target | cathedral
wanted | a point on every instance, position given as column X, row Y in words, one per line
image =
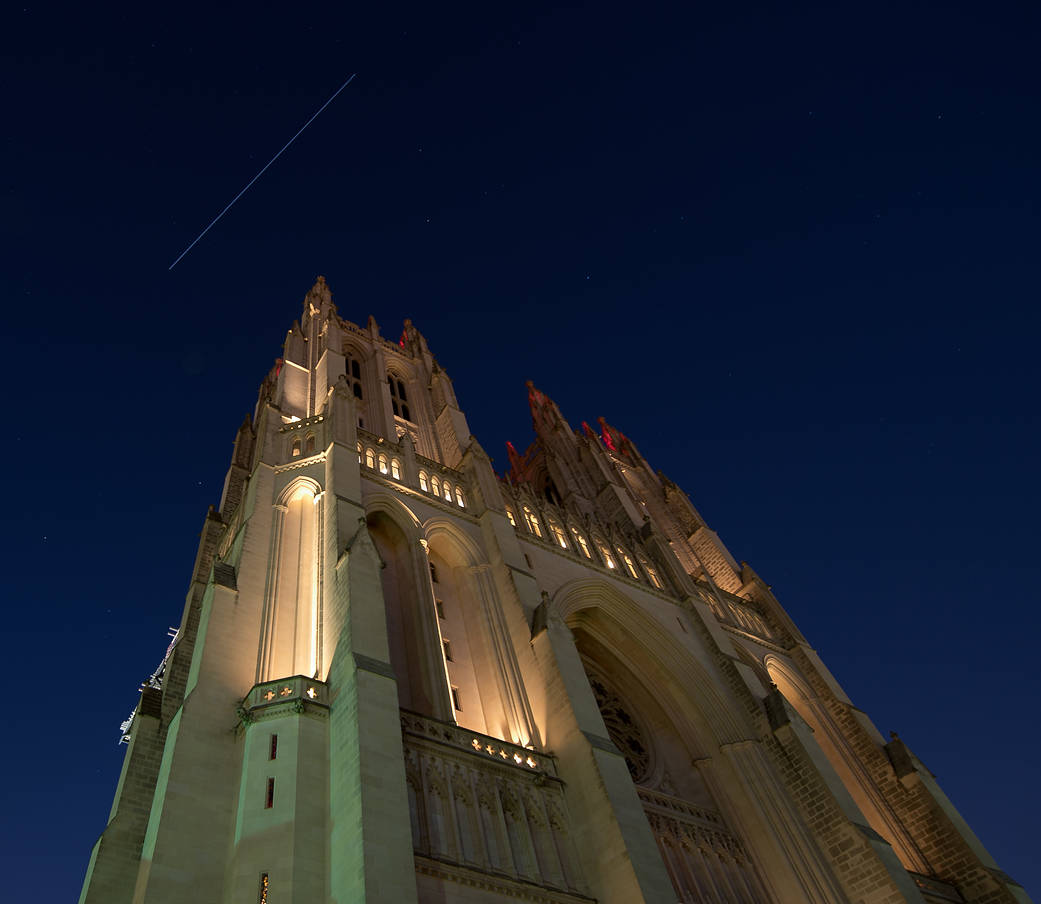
column 402, row 677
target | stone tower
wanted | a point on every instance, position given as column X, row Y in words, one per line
column 402, row 678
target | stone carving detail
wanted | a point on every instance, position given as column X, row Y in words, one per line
column 705, row 861
column 488, row 813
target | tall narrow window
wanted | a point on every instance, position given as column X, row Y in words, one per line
column 398, row 397
column 383, row 464
column 630, row 565
column 448, row 650
column 433, row 572
column 440, row 606
column 651, row 573
column 558, row 534
column 296, row 447
column 532, row 521
column 309, row 444
column 605, row 553
column 269, row 797
column 395, row 469
column 509, row 514
column 424, row 483
column 435, row 486
column 370, row 458
column 359, row 452
column 264, row 882
column 581, row 541
column 352, row 370
column 448, row 491
column 455, row 700
column 274, row 747
column 459, row 498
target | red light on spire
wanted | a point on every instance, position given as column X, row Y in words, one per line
column 606, row 437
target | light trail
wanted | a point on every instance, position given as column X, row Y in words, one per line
column 261, row 173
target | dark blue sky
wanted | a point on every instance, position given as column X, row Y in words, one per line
column 792, row 254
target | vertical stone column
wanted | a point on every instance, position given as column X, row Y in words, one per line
column 370, row 854
column 515, row 704
column 622, row 859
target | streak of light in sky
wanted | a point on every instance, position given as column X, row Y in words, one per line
column 261, row 173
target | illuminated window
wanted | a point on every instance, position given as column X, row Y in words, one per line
column 395, row 469
column 269, row 797
column 383, row 464
column 296, row 447
column 435, row 486
column 309, row 444
column 359, row 452
column 651, row 573
column 455, row 700
column 581, row 541
column 532, row 521
column 448, row 650
column 558, row 533
column 605, row 553
column 352, row 370
column 448, row 491
column 509, row 514
column 424, row 484
column 370, row 458
column 274, row 747
column 398, row 397
column 630, row 565
column 262, row 899
column 459, row 498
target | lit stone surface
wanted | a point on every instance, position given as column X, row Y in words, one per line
column 400, row 677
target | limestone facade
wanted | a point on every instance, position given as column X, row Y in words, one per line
column 402, row 677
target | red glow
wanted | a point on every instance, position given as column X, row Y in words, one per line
column 607, row 441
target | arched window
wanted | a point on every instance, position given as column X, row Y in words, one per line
column 296, row 447
column 605, row 553
column 459, row 498
column 424, row 484
column 352, row 370
column 370, row 458
column 581, row 541
column 651, row 573
column 435, row 486
column 309, row 444
column 383, row 464
column 448, row 491
column 630, row 565
column 532, row 521
column 359, row 451
column 558, row 533
column 395, row 469
column 398, row 397
column 510, row 515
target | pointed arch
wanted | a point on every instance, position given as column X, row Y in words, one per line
column 291, row 628
column 483, row 668
column 682, row 678
column 412, row 631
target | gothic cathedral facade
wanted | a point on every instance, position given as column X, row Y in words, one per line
column 403, row 678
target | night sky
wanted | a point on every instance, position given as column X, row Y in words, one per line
column 793, row 254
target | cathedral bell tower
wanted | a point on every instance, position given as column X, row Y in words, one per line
column 402, row 678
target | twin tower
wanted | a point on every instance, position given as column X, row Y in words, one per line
column 402, row 678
